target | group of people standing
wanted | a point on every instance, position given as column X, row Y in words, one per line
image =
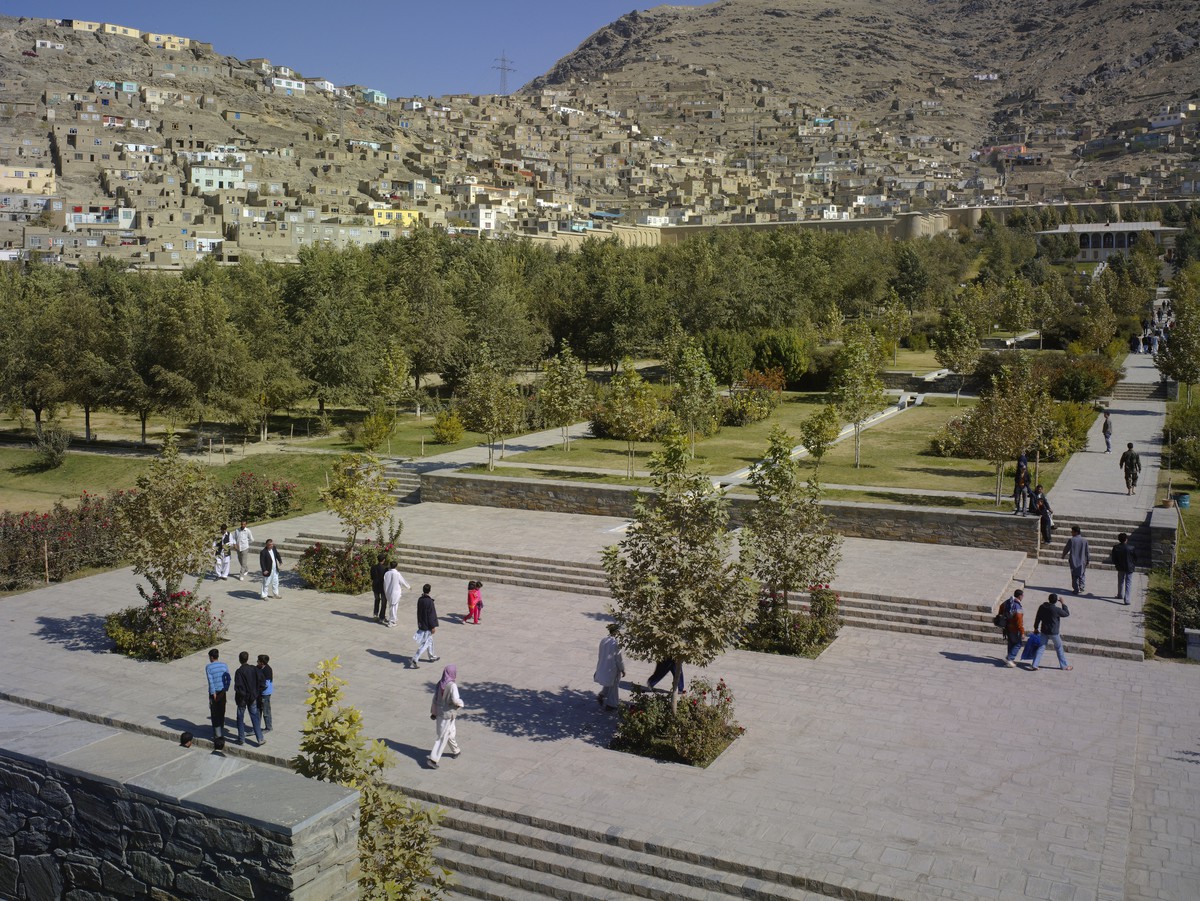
column 238, row 541
column 253, row 687
column 1046, row 630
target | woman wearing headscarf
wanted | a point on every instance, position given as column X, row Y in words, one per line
column 444, row 711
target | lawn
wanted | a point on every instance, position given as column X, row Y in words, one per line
column 412, row 438
column 919, row 361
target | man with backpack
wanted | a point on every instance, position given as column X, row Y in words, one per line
column 1131, row 463
column 1011, row 620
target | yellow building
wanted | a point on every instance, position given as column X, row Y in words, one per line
column 398, row 218
column 165, row 41
column 80, row 25
column 26, row 180
column 123, row 30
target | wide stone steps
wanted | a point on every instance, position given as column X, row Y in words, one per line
column 408, row 485
column 958, row 621
column 502, row 569
column 500, row 859
column 1102, row 536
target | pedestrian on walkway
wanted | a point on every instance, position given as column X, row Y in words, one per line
column 393, row 585
column 1076, row 553
column 242, row 538
column 1131, row 464
column 221, row 548
column 268, row 674
column 378, row 570
column 217, row 674
column 1046, row 624
column 1124, row 558
column 1014, row 625
column 1040, row 505
column 269, row 561
column 248, row 684
column 662, row 668
column 444, row 711
column 1106, row 431
column 610, row 667
column 1021, row 490
column 474, row 601
column 427, row 623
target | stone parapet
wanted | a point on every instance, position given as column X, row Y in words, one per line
column 1164, row 528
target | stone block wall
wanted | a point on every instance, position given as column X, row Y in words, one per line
column 1164, row 526
column 926, row 525
column 192, row 825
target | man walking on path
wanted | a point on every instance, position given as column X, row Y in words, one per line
column 248, row 685
column 1106, row 431
column 378, row 570
column 1131, row 463
column 1014, row 625
column 1075, row 552
column 269, row 562
column 610, row 667
column 1046, row 624
column 217, row 674
column 427, row 623
column 393, row 582
column 242, row 538
column 1124, row 558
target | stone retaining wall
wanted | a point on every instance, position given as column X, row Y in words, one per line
column 193, row 825
column 1164, row 526
column 926, row 525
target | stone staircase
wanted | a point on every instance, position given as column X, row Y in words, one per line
column 503, row 856
column 502, row 569
column 1102, row 536
column 1141, row 391
column 408, row 484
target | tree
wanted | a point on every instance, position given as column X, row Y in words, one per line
column 818, row 431
column 396, row 837
column 631, row 410
column 911, row 281
column 490, row 403
column 1179, row 358
column 856, row 390
column 169, row 525
column 34, row 348
column 564, row 392
column 897, row 320
column 1099, row 323
column 677, row 593
column 358, row 494
column 695, row 395
column 957, row 346
column 786, row 349
column 729, row 353
column 787, row 543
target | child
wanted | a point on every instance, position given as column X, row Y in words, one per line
column 264, row 664
column 474, row 602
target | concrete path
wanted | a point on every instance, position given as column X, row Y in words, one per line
column 1092, row 484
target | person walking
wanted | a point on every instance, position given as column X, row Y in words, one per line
column 1124, row 558
column 610, row 667
column 269, row 562
column 393, row 585
column 378, row 570
column 1021, row 490
column 221, row 549
column 242, row 538
column 662, row 668
column 1106, row 431
column 248, row 684
column 1046, row 624
column 474, row 602
column 1077, row 555
column 268, row 674
column 1131, row 464
column 427, row 623
column 444, row 711
column 1040, row 505
column 1014, row 625
column 217, row 674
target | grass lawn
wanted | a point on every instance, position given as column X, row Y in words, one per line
column 406, row 440
column 920, row 362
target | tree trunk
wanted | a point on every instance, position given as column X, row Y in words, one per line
column 857, row 433
column 87, row 422
column 143, row 416
column 37, row 420
column 320, row 406
column 999, row 481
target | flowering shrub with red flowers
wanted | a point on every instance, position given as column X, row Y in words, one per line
column 339, row 569
column 806, row 632
column 166, row 627
column 253, row 497
column 61, row 541
column 700, row 729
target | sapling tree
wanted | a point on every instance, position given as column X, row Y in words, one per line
column 564, row 392
column 359, row 494
column 857, row 390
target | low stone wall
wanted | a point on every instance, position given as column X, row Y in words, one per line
column 927, row 525
column 1164, row 526
column 89, row 813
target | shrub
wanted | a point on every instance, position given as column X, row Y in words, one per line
column 1071, row 422
column 1185, row 595
column 1184, row 422
column 50, row 447
column 754, row 398
column 1185, row 455
column 61, row 541
column 1082, row 379
column 448, row 428
column 700, row 729
column 917, row 341
column 801, row 633
column 253, row 497
column 375, row 428
column 166, row 627
column 337, row 568
column 952, row 439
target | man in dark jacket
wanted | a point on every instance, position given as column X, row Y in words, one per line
column 269, row 562
column 1124, row 558
column 427, row 623
column 1046, row 624
column 1014, row 625
column 377, row 573
column 248, row 685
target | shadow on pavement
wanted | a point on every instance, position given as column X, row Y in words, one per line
column 971, row 658
column 536, row 715
column 412, row 752
column 76, row 633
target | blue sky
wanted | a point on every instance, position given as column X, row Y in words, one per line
column 401, row 47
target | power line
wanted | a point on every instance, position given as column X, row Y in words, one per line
column 504, row 65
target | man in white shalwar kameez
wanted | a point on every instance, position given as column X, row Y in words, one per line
column 610, row 667
column 444, row 710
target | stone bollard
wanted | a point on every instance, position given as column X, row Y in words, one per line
column 1193, row 641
